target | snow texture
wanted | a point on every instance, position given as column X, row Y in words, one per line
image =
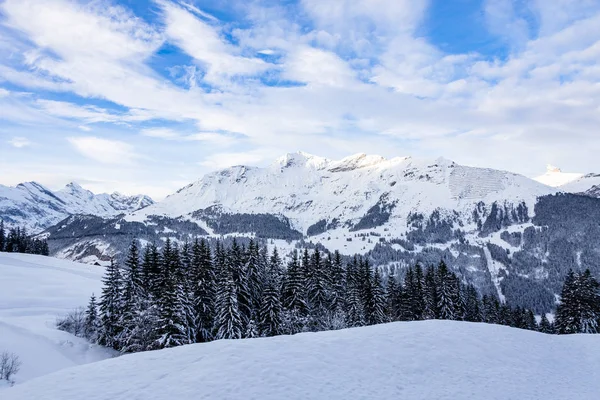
column 412, row 360
column 34, row 291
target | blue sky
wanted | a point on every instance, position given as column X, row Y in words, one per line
column 146, row 96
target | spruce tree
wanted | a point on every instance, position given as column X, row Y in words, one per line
column 446, row 295
column 91, row 320
column 430, row 295
column 172, row 329
column 545, row 326
column 270, row 310
column 111, row 303
column 2, row 235
column 228, row 318
column 472, row 305
column 567, row 313
column 204, row 283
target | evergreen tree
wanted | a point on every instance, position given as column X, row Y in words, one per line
column 172, row 330
column 204, row 290
column 91, row 320
column 430, row 295
column 545, row 325
column 228, row 318
column 589, row 299
column 472, row 305
column 270, row 310
column 111, row 303
column 376, row 302
column 392, row 298
column 2, row 235
column 446, row 293
column 567, row 313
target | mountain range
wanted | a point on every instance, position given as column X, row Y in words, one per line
column 511, row 236
column 35, row 207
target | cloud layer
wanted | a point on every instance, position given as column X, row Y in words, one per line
column 171, row 89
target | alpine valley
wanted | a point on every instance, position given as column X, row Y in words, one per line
column 509, row 235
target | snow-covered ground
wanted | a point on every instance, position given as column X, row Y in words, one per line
column 414, row 360
column 34, row 290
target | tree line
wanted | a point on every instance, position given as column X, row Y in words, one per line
column 195, row 293
column 17, row 241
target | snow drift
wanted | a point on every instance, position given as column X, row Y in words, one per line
column 34, row 291
column 415, row 360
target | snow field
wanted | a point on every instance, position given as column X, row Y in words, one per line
column 414, row 360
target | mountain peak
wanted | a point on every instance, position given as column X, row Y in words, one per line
column 302, row 159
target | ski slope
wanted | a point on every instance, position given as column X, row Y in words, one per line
column 415, row 360
column 34, row 290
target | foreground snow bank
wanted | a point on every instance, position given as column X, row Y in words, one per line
column 415, row 360
column 34, row 290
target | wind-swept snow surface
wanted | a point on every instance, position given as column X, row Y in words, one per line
column 414, row 360
column 34, row 290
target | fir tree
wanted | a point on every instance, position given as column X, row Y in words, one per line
column 91, row 320
column 567, row 312
column 111, row 303
column 430, row 295
column 228, row 319
column 446, row 295
column 204, row 290
column 2, row 235
column 545, row 325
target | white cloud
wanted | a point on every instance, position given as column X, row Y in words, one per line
column 169, row 134
column 104, row 150
column 20, row 142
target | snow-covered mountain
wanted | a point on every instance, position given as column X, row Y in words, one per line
column 36, row 207
column 360, row 190
column 503, row 232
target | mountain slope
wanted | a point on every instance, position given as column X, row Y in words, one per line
column 414, row 360
column 307, row 189
column 588, row 184
column 35, row 207
column 34, row 291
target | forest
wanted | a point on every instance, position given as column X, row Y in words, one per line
column 197, row 293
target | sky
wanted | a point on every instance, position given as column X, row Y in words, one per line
column 147, row 96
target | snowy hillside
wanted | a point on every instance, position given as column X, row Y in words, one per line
column 307, row 189
column 34, row 290
column 415, row 360
column 35, row 207
column 588, row 184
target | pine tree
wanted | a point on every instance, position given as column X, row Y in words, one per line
column 392, row 298
column 172, row 330
column 270, row 310
column 204, row 290
column 377, row 301
column 91, row 320
column 355, row 313
column 2, row 235
column 545, row 326
column 228, row 318
column 567, row 312
column 589, row 300
column 111, row 303
column 430, row 294
column 472, row 305
column 446, row 295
